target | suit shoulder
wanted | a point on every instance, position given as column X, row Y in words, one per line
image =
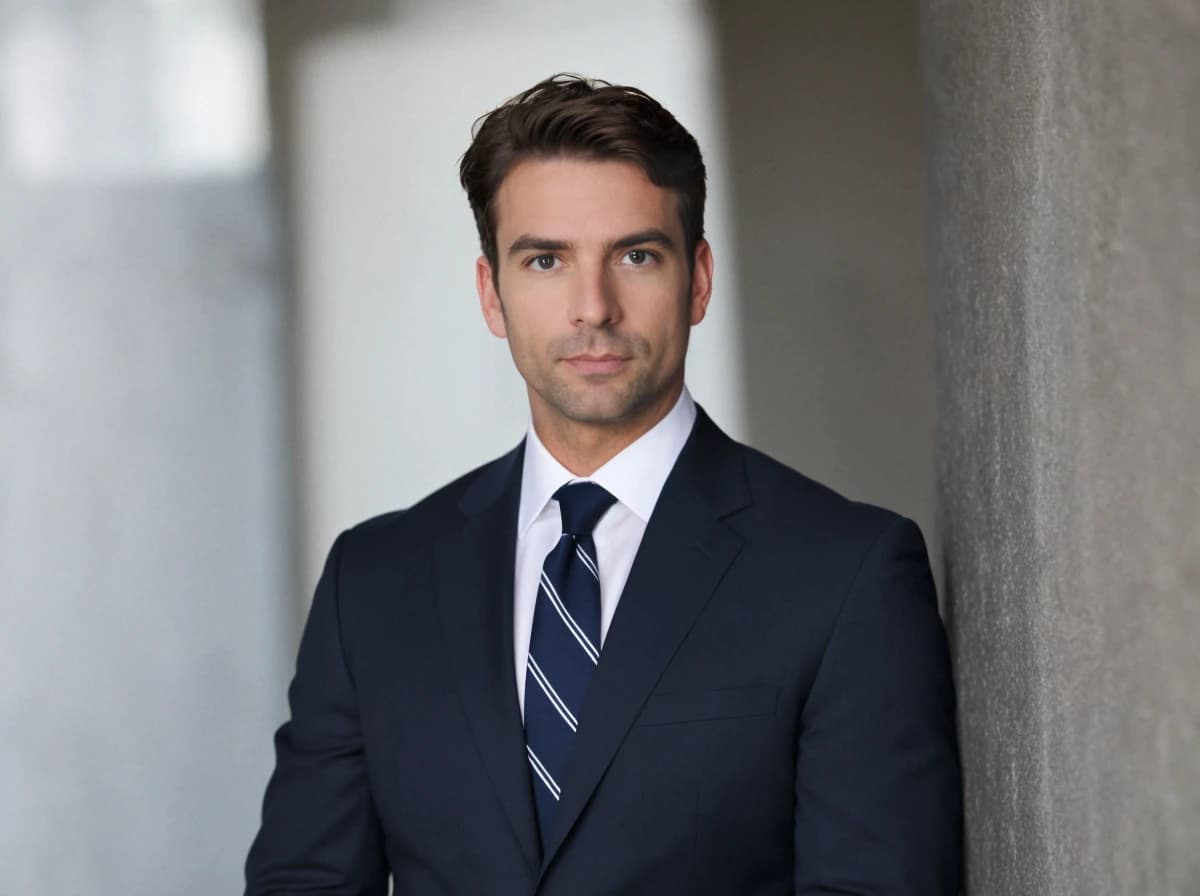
column 792, row 499
column 433, row 514
column 794, row 520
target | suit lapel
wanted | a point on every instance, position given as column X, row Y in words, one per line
column 684, row 553
column 473, row 569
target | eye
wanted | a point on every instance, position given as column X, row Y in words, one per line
column 639, row 257
column 543, row 262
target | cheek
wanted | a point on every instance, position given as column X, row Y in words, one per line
column 664, row 323
column 529, row 334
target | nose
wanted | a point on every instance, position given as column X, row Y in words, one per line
column 594, row 301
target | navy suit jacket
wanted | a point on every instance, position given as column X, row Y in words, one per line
column 773, row 712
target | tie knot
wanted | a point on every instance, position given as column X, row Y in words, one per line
column 581, row 505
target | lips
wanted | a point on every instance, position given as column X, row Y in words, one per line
column 596, row 364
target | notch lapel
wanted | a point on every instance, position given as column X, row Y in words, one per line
column 684, row 554
column 473, row 570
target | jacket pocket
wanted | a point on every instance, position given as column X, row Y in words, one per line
column 698, row 706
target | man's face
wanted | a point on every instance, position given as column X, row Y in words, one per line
column 594, row 291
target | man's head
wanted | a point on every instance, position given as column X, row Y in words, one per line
column 583, row 118
column 589, row 201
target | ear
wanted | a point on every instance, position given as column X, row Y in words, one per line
column 702, row 274
column 489, row 298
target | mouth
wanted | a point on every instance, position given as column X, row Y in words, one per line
column 596, row 364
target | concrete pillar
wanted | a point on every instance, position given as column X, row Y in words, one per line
column 1064, row 140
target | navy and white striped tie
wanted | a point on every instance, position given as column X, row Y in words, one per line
column 564, row 646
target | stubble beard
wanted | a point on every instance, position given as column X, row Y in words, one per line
column 605, row 403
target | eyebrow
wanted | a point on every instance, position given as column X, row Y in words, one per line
column 653, row 235
column 528, row 242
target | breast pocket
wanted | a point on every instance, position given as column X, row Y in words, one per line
column 699, row 706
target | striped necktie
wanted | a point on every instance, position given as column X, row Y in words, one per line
column 564, row 645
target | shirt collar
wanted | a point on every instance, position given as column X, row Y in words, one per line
column 635, row 476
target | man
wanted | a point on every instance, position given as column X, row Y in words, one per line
column 632, row 655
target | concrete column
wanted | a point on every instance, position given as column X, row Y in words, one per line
column 1064, row 140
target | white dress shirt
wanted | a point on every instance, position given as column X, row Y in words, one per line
column 635, row 477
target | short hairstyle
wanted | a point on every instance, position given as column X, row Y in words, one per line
column 569, row 115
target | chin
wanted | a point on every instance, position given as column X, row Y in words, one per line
column 596, row 414
column 600, row 403
column 599, row 410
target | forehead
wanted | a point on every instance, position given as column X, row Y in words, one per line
column 580, row 199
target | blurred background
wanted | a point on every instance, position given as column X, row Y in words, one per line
column 955, row 276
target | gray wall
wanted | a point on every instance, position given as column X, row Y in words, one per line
column 822, row 118
column 144, row 599
column 1064, row 140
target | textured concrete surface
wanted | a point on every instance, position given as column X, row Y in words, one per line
column 1065, row 202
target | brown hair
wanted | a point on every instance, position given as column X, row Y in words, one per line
column 575, row 116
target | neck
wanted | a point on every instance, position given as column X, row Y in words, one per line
column 583, row 448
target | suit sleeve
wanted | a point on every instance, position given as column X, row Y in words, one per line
column 878, row 789
column 319, row 833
